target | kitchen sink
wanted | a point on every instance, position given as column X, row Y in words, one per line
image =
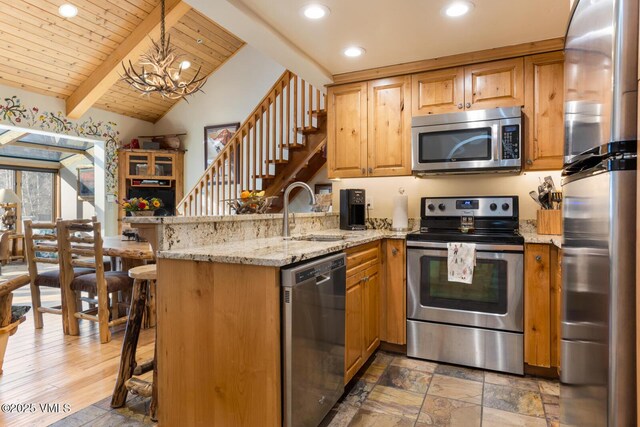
column 320, row 237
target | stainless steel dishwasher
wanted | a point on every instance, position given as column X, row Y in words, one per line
column 313, row 312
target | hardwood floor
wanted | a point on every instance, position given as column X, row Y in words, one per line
column 46, row 367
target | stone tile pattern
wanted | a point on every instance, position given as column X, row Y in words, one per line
column 395, row 391
column 133, row 414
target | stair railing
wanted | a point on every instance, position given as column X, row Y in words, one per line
column 248, row 161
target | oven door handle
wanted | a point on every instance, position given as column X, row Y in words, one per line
column 479, row 246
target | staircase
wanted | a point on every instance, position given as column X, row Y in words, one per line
column 283, row 140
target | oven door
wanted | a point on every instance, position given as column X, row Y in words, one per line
column 457, row 146
column 494, row 299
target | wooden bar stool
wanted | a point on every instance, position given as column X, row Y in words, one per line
column 144, row 277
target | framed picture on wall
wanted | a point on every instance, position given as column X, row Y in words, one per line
column 323, row 189
column 86, row 183
column 216, row 138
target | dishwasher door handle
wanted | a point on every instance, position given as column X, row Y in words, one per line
column 322, row 279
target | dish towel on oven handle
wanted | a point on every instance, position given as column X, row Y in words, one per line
column 461, row 260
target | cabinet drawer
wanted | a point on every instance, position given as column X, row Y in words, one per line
column 362, row 258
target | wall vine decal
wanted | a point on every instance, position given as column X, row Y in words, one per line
column 12, row 111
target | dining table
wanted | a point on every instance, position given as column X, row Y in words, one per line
column 130, row 252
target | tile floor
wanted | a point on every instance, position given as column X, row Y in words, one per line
column 395, row 391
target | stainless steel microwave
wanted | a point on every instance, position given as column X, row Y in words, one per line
column 468, row 142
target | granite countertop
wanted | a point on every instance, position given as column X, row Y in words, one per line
column 534, row 237
column 276, row 252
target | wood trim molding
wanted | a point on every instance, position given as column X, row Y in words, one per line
column 505, row 52
column 12, row 136
column 108, row 73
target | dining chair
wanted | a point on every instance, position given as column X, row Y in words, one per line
column 81, row 246
column 41, row 246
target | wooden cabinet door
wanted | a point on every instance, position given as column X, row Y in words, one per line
column 353, row 339
column 440, row 91
column 389, row 127
column 494, row 84
column 347, row 131
column 371, row 310
column 544, row 102
column 164, row 165
column 138, row 164
column 537, row 302
column 393, row 297
column 556, row 304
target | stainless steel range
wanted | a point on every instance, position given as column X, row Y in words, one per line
column 478, row 324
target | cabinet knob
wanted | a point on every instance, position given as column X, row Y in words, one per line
column 529, row 161
column 364, row 171
column 370, row 170
column 468, row 105
column 394, row 251
column 460, row 106
column 538, row 258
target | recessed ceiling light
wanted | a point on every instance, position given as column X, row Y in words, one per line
column 458, row 8
column 184, row 65
column 315, row 11
column 68, row 10
column 353, row 51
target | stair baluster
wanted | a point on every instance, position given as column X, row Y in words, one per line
column 259, row 156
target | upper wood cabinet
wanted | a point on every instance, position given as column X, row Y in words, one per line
column 369, row 128
column 347, row 130
column 389, row 124
column 440, row 91
column 544, row 102
column 487, row 85
column 494, row 84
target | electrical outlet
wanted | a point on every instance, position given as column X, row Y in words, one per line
column 370, row 203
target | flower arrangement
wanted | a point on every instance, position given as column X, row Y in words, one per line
column 140, row 204
column 251, row 202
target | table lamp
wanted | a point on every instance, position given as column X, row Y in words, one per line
column 8, row 200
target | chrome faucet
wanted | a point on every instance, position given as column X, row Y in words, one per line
column 285, row 219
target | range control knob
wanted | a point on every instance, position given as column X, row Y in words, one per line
column 505, row 206
column 441, row 206
column 431, row 207
column 493, row 206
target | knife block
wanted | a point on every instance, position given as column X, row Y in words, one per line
column 549, row 221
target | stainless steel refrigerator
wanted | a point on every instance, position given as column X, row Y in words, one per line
column 598, row 371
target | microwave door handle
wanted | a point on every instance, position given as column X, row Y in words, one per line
column 495, row 129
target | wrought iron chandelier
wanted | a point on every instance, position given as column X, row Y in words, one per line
column 162, row 76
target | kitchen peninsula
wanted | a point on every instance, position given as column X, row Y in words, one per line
column 218, row 305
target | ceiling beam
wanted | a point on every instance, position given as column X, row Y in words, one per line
column 48, row 147
column 108, row 73
column 11, row 136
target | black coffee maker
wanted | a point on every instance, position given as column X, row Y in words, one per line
column 353, row 207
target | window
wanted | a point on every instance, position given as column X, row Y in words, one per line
column 37, row 195
column 36, row 189
column 8, row 179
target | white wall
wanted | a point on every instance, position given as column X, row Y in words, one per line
column 230, row 95
column 382, row 190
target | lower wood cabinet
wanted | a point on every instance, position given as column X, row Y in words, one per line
column 393, row 292
column 542, row 310
column 362, row 306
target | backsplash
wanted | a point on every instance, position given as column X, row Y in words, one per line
column 184, row 232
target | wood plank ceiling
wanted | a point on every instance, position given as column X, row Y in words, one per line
column 42, row 52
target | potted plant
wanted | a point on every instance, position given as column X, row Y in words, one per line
column 139, row 206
